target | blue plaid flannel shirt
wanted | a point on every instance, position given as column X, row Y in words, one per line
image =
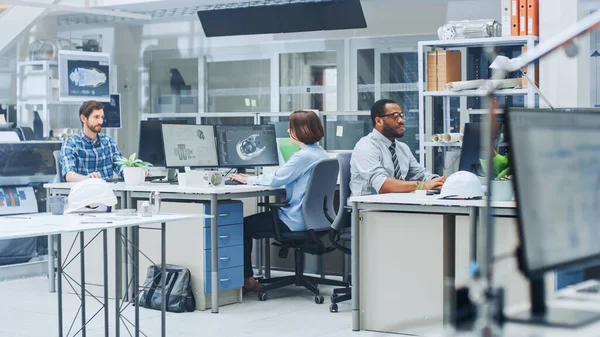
column 84, row 156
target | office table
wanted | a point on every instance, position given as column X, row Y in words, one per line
column 212, row 195
column 412, row 203
column 46, row 224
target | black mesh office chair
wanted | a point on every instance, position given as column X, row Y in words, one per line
column 340, row 234
column 59, row 178
column 318, row 213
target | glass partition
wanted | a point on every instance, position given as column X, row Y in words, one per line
column 228, row 118
column 280, row 120
column 174, row 85
column 308, row 81
column 239, row 86
column 343, row 131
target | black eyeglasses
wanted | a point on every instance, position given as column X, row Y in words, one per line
column 394, row 115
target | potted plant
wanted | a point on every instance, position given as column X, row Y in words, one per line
column 501, row 184
column 134, row 170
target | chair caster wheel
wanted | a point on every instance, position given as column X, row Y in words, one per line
column 319, row 299
column 333, row 307
column 262, row 296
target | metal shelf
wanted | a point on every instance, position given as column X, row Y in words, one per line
column 490, row 41
column 474, row 93
column 433, row 144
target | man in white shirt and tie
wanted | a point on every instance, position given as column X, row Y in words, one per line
column 382, row 164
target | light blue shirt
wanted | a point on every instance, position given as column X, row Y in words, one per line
column 372, row 164
column 294, row 175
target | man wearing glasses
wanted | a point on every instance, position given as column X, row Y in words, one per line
column 382, row 164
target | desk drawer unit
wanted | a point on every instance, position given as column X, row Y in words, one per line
column 229, row 213
column 231, row 246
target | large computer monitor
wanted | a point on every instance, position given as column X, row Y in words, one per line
column 471, row 150
column 242, row 146
column 555, row 158
column 151, row 146
column 189, row 146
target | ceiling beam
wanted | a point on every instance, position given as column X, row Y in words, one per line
column 85, row 10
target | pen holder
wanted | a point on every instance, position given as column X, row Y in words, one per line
column 57, row 204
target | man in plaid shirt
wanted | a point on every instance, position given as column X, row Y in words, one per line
column 90, row 154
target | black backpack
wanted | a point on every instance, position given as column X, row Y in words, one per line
column 178, row 289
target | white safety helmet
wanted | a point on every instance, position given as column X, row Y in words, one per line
column 92, row 194
column 462, row 185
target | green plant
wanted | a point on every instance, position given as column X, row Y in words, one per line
column 500, row 164
column 132, row 162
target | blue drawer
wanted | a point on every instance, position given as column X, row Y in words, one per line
column 231, row 235
column 230, row 278
column 228, row 257
column 228, row 212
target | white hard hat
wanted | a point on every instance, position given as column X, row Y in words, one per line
column 462, row 185
column 91, row 195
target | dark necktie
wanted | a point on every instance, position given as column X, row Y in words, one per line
column 395, row 161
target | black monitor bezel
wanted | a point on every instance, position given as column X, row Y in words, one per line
column 160, row 122
column 523, row 262
column 191, row 167
column 242, row 125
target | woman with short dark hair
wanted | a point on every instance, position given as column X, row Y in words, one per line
column 306, row 130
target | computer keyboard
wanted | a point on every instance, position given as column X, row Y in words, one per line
column 232, row 182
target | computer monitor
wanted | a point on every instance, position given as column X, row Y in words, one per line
column 555, row 158
column 471, row 150
column 189, row 146
column 242, row 146
column 151, row 147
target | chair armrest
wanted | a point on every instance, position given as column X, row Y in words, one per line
column 348, row 208
column 270, row 205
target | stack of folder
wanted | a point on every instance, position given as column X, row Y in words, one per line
column 520, row 17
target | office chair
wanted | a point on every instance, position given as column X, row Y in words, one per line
column 59, row 177
column 318, row 213
column 339, row 233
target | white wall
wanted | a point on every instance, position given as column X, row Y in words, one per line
column 565, row 81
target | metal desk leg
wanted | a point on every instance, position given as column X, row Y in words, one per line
column 136, row 274
column 127, row 202
column 82, row 257
column 51, row 274
column 105, row 248
column 59, row 285
column 473, row 214
column 259, row 244
column 214, row 255
column 118, row 280
column 355, row 268
column 163, row 279
column 449, row 251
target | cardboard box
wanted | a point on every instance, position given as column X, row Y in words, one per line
column 432, row 70
column 449, row 67
column 536, row 79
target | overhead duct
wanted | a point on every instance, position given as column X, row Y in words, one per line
column 283, row 16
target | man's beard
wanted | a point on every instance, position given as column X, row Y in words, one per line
column 391, row 132
column 95, row 128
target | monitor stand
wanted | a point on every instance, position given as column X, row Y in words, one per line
column 540, row 314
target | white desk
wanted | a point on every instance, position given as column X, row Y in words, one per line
column 411, row 203
column 171, row 192
column 48, row 224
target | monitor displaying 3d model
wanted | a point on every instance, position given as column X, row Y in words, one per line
column 189, row 146
column 247, row 145
column 83, row 76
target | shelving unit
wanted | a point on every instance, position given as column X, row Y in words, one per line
column 425, row 97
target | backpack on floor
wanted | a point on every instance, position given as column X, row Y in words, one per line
column 178, row 289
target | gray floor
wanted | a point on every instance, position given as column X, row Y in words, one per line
column 29, row 310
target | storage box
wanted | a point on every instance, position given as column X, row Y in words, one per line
column 443, row 66
column 536, row 78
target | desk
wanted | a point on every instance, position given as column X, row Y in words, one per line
column 411, row 203
column 188, row 194
column 47, row 224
